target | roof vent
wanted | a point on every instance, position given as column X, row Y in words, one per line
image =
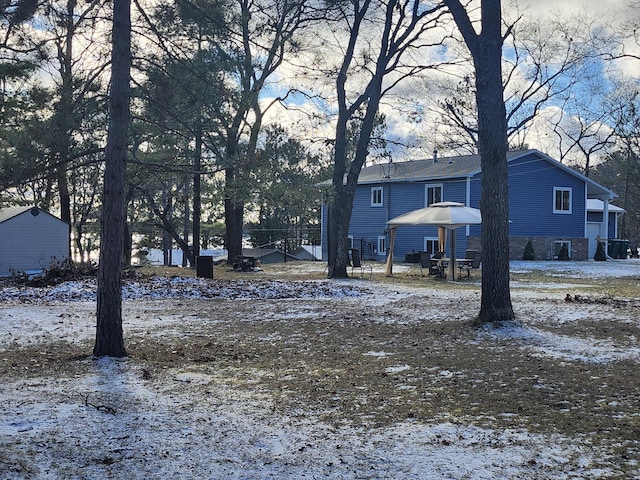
column 435, row 155
column 35, row 211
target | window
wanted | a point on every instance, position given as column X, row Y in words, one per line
column 350, row 237
column 433, row 194
column 561, row 200
column 382, row 245
column 377, row 197
column 560, row 253
column 431, row 245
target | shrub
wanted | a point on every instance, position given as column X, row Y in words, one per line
column 57, row 272
column 529, row 252
column 600, row 256
column 563, row 254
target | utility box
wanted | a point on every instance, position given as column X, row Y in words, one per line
column 204, row 266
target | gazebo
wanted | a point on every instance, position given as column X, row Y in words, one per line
column 446, row 216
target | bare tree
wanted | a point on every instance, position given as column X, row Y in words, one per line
column 545, row 62
column 401, row 28
column 585, row 128
column 486, row 50
column 109, row 338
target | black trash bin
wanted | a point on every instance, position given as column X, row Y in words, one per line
column 618, row 248
column 204, row 266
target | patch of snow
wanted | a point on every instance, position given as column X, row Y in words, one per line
column 629, row 267
column 182, row 287
column 562, row 347
column 397, row 368
column 378, row 354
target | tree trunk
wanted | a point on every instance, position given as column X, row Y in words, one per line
column 197, row 194
column 234, row 219
column 65, row 199
column 167, row 245
column 64, row 116
column 339, row 218
column 344, row 191
column 492, row 144
column 109, row 338
column 186, row 251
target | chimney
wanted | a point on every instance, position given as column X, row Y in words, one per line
column 435, row 155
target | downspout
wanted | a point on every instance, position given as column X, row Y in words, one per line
column 388, row 206
column 605, row 215
column 322, row 220
column 468, row 203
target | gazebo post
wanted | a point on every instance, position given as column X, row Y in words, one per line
column 451, row 275
column 392, row 241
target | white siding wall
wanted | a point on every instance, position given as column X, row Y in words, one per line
column 30, row 242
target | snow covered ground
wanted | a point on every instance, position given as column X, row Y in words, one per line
column 64, row 414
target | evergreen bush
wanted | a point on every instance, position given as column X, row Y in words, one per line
column 600, row 256
column 563, row 254
column 529, row 252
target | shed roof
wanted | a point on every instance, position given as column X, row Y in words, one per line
column 8, row 213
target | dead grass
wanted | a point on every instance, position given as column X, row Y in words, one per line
column 351, row 364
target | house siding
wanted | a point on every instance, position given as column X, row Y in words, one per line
column 367, row 222
column 30, row 242
column 370, row 222
column 531, row 200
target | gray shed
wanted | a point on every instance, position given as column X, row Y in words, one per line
column 31, row 239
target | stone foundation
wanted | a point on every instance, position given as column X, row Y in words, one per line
column 542, row 246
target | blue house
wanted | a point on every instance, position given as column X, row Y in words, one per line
column 550, row 205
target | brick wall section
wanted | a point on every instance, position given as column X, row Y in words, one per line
column 543, row 247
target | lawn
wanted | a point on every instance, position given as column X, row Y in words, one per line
column 284, row 374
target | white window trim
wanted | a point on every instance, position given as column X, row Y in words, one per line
column 427, row 240
column 563, row 189
column 427, row 186
column 350, row 237
column 374, row 190
column 382, row 245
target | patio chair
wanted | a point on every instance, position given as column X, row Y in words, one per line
column 356, row 262
column 474, row 265
column 429, row 264
column 470, row 254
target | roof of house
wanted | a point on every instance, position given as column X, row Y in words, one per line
column 595, row 205
column 464, row 166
